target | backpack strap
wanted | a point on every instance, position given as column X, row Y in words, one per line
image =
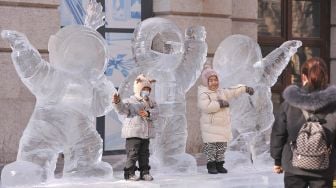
column 312, row 117
column 305, row 114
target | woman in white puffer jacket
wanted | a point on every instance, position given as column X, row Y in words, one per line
column 215, row 118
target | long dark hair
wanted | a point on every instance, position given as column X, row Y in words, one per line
column 317, row 73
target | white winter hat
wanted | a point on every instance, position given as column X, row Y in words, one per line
column 140, row 82
column 206, row 73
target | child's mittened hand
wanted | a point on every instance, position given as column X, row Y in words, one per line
column 249, row 90
column 116, row 98
column 223, row 103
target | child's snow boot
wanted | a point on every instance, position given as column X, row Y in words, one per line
column 145, row 175
column 220, row 168
column 129, row 174
column 211, row 166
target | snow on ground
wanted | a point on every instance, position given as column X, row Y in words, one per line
column 238, row 178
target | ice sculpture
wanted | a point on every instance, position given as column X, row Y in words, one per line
column 70, row 92
column 162, row 52
column 238, row 60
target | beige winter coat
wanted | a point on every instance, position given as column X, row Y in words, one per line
column 215, row 121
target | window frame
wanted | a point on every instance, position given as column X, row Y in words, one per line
column 322, row 42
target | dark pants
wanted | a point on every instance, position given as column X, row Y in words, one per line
column 296, row 181
column 137, row 149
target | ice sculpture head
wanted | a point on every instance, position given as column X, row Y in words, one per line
column 140, row 83
column 238, row 52
column 158, row 42
column 78, row 50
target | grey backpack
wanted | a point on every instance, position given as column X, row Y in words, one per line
column 311, row 150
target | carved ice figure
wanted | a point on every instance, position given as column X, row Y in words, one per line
column 71, row 91
column 238, row 60
column 175, row 62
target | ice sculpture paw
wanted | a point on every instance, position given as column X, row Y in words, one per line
column 292, row 44
column 16, row 39
column 94, row 16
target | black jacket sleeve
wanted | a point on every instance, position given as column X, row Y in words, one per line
column 279, row 134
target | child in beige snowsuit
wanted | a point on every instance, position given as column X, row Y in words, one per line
column 215, row 118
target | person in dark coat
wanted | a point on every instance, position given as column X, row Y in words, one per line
column 317, row 98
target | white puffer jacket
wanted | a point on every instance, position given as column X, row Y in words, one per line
column 215, row 121
column 135, row 125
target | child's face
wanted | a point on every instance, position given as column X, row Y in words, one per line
column 145, row 92
column 146, row 89
column 213, row 83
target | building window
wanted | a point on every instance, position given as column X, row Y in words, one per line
column 305, row 20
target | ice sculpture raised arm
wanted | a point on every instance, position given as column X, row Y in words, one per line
column 275, row 62
column 194, row 56
column 26, row 57
column 238, row 60
column 94, row 17
column 102, row 96
column 28, row 63
column 175, row 62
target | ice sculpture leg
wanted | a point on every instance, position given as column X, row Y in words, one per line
column 39, row 147
column 238, row 152
column 37, row 155
column 83, row 157
column 259, row 147
column 259, row 143
column 170, row 145
column 21, row 173
column 43, row 156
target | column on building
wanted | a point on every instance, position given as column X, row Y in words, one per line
column 221, row 18
column 38, row 19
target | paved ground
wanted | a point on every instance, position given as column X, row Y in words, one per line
column 118, row 161
column 238, row 179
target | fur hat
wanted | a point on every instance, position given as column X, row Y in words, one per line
column 206, row 73
column 140, row 82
